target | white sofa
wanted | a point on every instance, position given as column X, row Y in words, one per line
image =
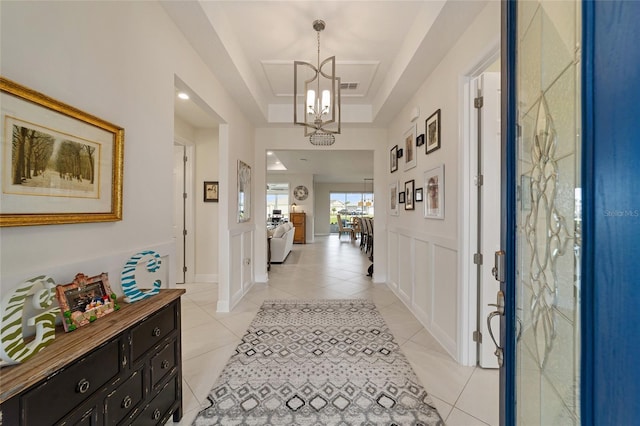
column 281, row 242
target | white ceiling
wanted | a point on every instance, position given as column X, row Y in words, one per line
column 326, row 166
column 388, row 47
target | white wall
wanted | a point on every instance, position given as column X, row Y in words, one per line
column 206, row 214
column 423, row 258
column 118, row 61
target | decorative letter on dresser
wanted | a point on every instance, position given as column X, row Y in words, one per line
column 124, row 369
column 299, row 221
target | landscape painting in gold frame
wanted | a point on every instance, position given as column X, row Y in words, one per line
column 59, row 164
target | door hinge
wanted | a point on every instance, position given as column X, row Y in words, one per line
column 477, row 336
column 184, row 195
column 477, row 258
column 518, row 130
column 478, row 102
column 184, row 232
column 184, row 158
column 184, row 269
column 479, row 180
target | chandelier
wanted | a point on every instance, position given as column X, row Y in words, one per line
column 321, row 89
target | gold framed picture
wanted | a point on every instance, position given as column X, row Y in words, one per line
column 59, row 164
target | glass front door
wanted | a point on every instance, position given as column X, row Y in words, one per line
column 547, row 213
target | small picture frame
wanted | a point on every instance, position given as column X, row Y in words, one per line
column 393, row 198
column 432, row 132
column 418, row 196
column 211, row 191
column 410, row 157
column 434, row 189
column 409, row 187
column 393, row 158
column 420, row 140
column 401, row 197
column 84, row 300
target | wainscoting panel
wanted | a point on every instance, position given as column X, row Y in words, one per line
column 423, row 284
column 423, row 273
column 235, row 269
column 405, row 268
column 247, row 260
column 241, row 268
column 445, row 293
column 392, row 266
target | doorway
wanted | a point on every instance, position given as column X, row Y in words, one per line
column 480, row 225
column 485, row 221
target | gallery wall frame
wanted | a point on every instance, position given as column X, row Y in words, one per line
column 211, row 191
column 434, row 189
column 393, row 159
column 418, row 196
column 60, row 165
column 393, row 198
column 432, row 132
column 409, row 187
column 410, row 157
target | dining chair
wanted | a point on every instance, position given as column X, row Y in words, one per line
column 344, row 229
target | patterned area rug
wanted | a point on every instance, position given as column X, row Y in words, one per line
column 318, row 362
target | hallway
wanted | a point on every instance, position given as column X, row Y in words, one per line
column 329, row 269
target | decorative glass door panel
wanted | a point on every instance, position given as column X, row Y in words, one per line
column 548, row 213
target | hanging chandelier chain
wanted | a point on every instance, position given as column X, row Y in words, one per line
column 318, row 51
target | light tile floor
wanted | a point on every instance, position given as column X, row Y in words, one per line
column 328, row 268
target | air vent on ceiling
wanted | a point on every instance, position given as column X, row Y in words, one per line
column 348, row 86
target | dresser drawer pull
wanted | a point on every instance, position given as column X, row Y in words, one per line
column 165, row 364
column 156, row 331
column 83, row 386
column 126, row 402
column 156, row 414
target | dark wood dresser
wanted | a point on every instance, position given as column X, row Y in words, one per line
column 125, row 368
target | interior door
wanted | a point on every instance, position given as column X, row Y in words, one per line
column 541, row 230
column 486, row 88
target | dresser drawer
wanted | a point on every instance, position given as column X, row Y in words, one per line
column 153, row 330
column 125, row 398
column 88, row 415
column 50, row 401
column 157, row 412
column 163, row 363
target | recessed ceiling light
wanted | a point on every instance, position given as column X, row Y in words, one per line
column 269, row 152
column 183, row 95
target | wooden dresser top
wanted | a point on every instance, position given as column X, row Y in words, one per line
column 68, row 347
